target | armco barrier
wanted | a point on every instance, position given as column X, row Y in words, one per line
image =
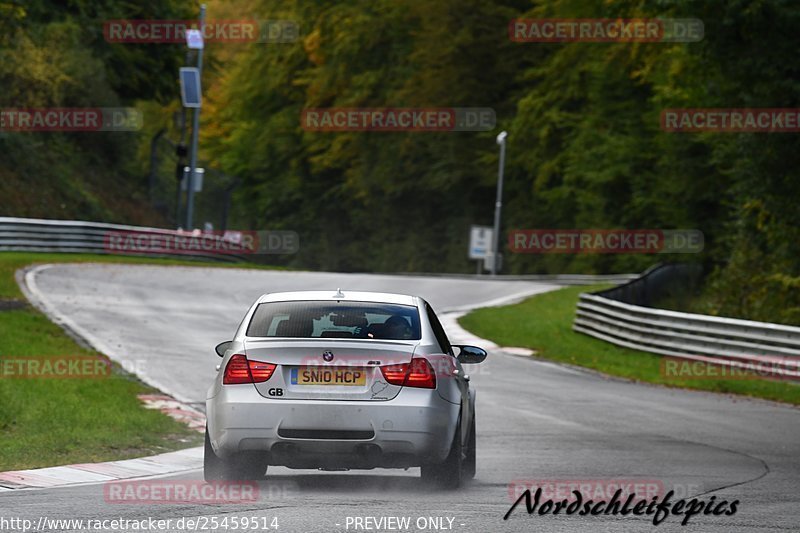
column 556, row 279
column 731, row 342
column 38, row 235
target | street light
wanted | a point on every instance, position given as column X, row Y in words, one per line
column 195, row 132
column 498, row 205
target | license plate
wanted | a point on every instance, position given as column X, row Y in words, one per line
column 311, row 375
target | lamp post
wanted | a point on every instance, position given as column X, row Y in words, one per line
column 498, row 205
column 195, row 135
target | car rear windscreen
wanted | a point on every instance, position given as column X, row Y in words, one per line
column 347, row 320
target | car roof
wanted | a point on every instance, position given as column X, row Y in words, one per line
column 340, row 295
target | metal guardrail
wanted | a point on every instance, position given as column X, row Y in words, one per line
column 743, row 344
column 40, row 235
column 73, row 236
column 557, row 279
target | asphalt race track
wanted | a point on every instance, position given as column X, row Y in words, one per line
column 536, row 420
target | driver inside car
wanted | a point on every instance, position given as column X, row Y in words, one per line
column 396, row 327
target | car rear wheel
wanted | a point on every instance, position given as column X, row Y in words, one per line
column 447, row 475
column 245, row 466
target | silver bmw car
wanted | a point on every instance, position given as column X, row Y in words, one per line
column 341, row 380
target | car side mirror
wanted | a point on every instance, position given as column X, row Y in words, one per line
column 222, row 347
column 470, row 354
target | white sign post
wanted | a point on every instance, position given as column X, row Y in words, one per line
column 480, row 244
column 194, row 39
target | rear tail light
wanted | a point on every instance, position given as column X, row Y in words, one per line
column 239, row 370
column 421, row 374
column 261, row 371
column 418, row 373
column 395, row 374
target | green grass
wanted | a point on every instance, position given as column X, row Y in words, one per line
column 544, row 323
column 46, row 422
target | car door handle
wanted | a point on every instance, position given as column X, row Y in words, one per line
column 218, row 366
column 466, row 377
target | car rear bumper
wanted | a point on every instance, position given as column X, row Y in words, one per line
column 415, row 427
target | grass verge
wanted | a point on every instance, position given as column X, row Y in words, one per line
column 46, row 422
column 544, row 323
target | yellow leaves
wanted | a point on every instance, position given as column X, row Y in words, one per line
column 11, row 11
column 756, row 207
column 36, row 72
column 311, row 44
column 785, row 281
